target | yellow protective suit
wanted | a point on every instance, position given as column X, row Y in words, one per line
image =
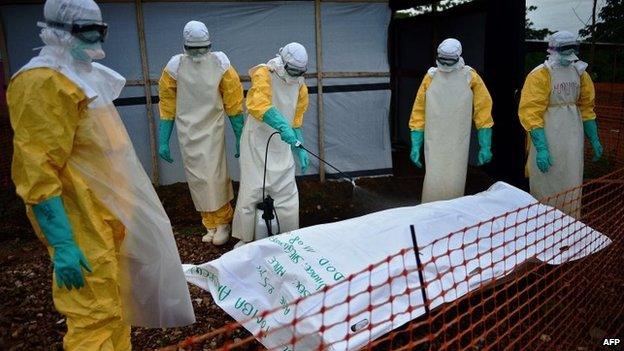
column 70, row 142
column 290, row 96
column 535, row 98
column 558, row 99
column 260, row 97
column 231, row 92
column 230, row 88
column 481, row 103
column 46, row 109
column 443, row 108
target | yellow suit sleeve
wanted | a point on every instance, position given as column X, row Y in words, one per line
column 417, row 119
column 167, row 90
column 534, row 99
column 302, row 106
column 586, row 101
column 260, row 95
column 45, row 108
column 232, row 92
column 481, row 102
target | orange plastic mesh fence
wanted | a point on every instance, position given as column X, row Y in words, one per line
column 610, row 118
column 535, row 305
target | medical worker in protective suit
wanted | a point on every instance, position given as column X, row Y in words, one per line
column 87, row 196
column 198, row 90
column 556, row 106
column 276, row 102
column 450, row 96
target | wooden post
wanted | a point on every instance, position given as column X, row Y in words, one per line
column 319, row 83
column 148, row 90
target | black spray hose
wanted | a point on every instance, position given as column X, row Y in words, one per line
column 274, row 210
column 279, row 228
column 266, row 156
column 342, row 174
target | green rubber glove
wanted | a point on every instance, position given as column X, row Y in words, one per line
column 275, row 119
column 591, row 131
column 541, row 146
column 418, row 136
column 238, row 122
column 68, row 259
column 301, row 153
column 485, row 145
column 164, row 133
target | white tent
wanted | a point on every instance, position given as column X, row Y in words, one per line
column 349, row 37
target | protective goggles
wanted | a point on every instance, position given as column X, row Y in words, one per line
column 447, row 61
column 568, row 49
column 87, row 31
column 205, row 47
column 294, row 71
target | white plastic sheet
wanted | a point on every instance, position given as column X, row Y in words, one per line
column 270, row 274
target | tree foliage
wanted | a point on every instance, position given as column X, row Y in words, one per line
column 530, row 32
column 444, row 5
column 610, row 29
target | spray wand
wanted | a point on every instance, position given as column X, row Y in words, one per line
column 342, row 174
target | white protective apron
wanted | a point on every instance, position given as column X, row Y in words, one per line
column 153, row 289
column 563, row 126
column 200, row 122
column 448, row 118
column 280, row 167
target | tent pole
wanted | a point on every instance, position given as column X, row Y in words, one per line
column 148, row 90
column 319, row 83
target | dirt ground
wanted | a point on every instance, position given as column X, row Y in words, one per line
column 28, row 320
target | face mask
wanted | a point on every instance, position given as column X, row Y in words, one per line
column 565, row 60
column 86, row 52
column 567, row 53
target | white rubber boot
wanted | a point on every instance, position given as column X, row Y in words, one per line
column 222, row 235
column 207, row 238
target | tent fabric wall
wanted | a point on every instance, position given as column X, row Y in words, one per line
column 484, row 27
column 416, row 40
column 249, row 33
column 354, row 39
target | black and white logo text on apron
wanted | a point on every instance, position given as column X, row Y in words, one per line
column 566, row 88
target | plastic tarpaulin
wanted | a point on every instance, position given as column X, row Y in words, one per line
column 463, row 244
